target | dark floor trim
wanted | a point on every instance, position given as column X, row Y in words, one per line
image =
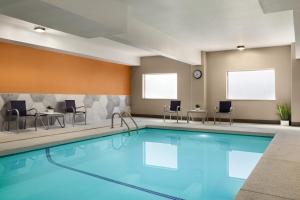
column 256, row 121
column 295, row 123
column 49, row 158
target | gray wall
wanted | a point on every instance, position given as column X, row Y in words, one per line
column 190, row 90
column 212, row 87
column 99, row 107
column 278, row 58
column 295, row 101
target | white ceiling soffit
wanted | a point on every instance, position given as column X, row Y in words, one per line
column 273, row 6
column 98, row 18
column 22, row 32
column 146, row 37
column 270, row 6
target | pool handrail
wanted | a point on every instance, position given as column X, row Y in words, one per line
column 122, row 115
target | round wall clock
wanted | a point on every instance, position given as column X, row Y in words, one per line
column 197, row 74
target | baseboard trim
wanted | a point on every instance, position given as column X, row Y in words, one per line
column 295, row 123
column 255, row 121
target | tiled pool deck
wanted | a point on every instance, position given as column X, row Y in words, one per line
column 276, row 176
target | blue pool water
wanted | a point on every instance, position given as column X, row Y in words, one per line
column 151, row 164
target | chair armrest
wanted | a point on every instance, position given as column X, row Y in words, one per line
column 81, row 107
column 14, row 110
column 33, row 109
column 178, row 108
column 231, row 109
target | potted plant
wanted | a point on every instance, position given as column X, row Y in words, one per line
column 284, row 113
column 197, row 106
column 50, row 109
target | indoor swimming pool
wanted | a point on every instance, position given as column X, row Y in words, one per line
column 146, row 164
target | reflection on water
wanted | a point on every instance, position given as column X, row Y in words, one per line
column 17, row 164
column 120, row 141
column 160, row 155
column 71, row 151
column 242, row 163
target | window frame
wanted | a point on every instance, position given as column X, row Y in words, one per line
column 249, row 70
column 143, row 86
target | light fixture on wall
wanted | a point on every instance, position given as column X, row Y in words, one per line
column 241, row 47
column 39, row 29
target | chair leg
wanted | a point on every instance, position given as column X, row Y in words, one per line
column 215, row 119
column 73, row 121
column 48, row 122
column 25, row 122
column 170, row 116
column 35, row 123
column 164, row 117
column 17, row 123
column 177, row 117
column 85, row 118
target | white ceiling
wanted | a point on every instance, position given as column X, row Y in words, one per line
column 271, row 6
column 212, row 25
column 178, row 29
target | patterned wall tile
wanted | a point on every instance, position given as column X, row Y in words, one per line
column 9, row 97
column 37, row 97
column 49, row 100
column 2, row 113
column 89, row 100
column 99, row 107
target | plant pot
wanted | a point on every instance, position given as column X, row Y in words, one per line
column 284, row 122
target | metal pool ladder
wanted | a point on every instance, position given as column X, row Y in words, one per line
column 122, row 115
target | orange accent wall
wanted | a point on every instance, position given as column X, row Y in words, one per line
column 29, row 70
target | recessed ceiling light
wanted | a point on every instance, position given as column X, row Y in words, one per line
column 241, row 47
column 39, row 29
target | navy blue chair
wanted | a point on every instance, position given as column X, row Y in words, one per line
column 70, row 107
column 173, row 108
column 224, row 109
column 17, row 110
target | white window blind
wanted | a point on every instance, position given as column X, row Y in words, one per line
column 160, row 86
column 251, row 85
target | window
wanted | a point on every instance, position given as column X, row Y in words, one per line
column 251, row 85
column 160, row 86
